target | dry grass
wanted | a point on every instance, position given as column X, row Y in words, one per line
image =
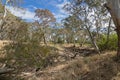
column 97, row 67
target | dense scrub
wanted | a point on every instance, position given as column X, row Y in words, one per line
column 103, row 44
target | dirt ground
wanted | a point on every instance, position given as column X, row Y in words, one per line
column 86, row 65
column 76, row 63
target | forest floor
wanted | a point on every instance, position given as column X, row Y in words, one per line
column 85, row 65
column 77, row 63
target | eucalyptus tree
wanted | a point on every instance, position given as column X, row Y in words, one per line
column 58, row 35
column 83, row 9
column 108, row 31
column 45, row 19
column 3, row 14
column 72, row 25
column 99, row 19
column 82, row 37
column 4, row 11
column 113, row 6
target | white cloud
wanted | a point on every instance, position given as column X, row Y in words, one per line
column 27, row 13
column 22, row 13
column 61, row 14
column 62, row 4
column 32, row 7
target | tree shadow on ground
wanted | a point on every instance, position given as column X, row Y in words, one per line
column 102, row 67
column 78, row 51
column 27, row 61
column 5, row 77
column 107, row 70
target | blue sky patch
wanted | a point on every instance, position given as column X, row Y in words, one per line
column 29, row 6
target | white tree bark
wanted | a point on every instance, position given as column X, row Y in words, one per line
column 3, row 17
column 92, row 40
column 113, row 7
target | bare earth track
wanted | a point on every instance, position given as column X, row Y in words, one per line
column 77, row 63
column 86, row 65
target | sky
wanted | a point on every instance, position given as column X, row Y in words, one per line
column 29, row 6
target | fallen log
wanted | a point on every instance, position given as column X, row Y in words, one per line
column 6, row 70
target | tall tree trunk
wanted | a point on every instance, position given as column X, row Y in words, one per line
column 44, row 34
column 108, row 33
column 74, row 41
column 113, row 7
column 83, row 40
column 2, row 19
column 92, row 40
column 44, row 39
column 118, row 50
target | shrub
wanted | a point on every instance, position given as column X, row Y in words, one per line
column 111, row 45
column 26, row 54
column 25, row 49
column 60, row 41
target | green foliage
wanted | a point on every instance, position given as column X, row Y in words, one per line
column 24, row 48
column 111, row 45
column 60, row 40
column 27, row 53
column 1, row 9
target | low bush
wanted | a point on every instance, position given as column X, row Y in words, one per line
column 26, row 54
column 110, row 45
column 60, row 41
